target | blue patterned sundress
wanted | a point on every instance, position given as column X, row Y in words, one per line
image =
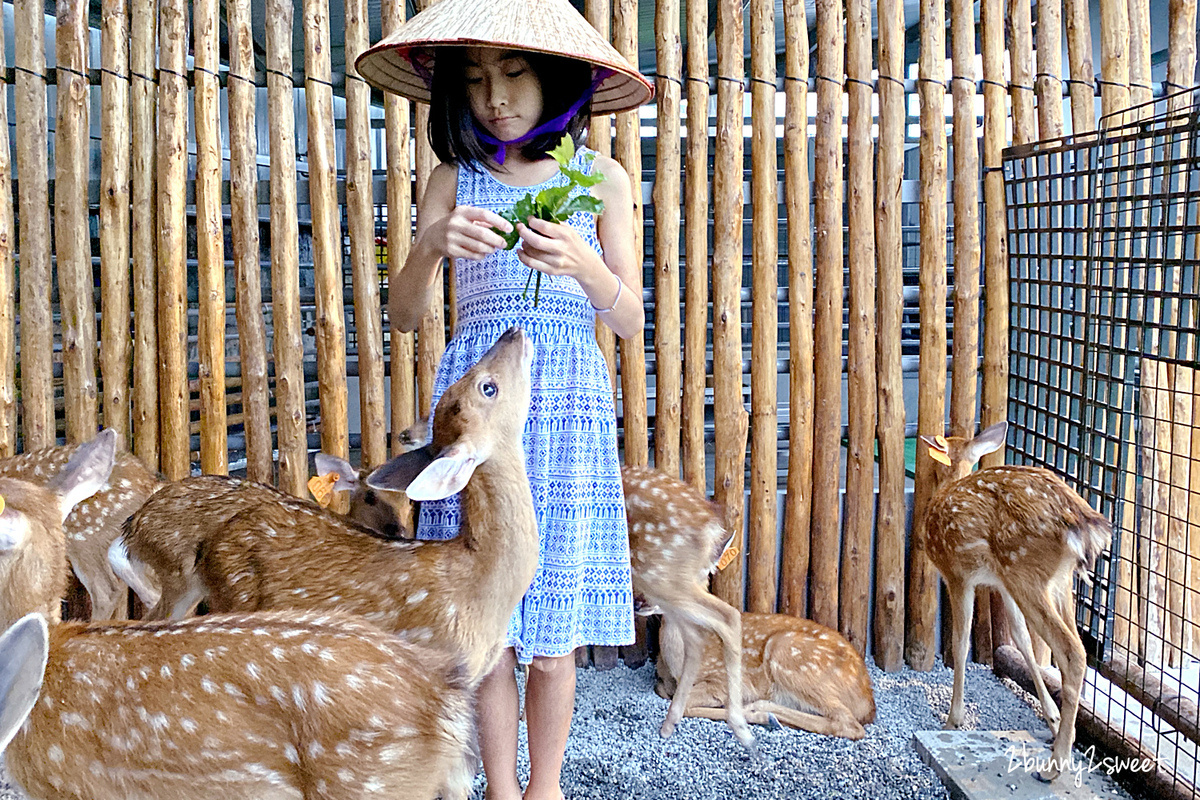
column 581, row 593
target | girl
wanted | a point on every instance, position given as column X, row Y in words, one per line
column 496, row 112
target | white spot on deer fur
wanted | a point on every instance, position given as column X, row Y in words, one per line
column 186, row 660
column 344, row 749
column 73, row 720
column 320, row 694
column 55, row 754
column 165, row 671
column 289, row 752
column 208, row 685
column 279, row 695
column 233, row 691
column 298, row 697
column 354, row 682
column 189, row 724
column 416, row 597
column 392, row 754
column 253, row 671
column 315, row 749
column 345, row 775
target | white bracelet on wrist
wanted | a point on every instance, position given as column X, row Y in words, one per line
column 617, row 299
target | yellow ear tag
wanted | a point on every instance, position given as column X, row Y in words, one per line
column 941, row 442
column 321, row 487
column 1, row 504
column 939, row 456
column 727, row 557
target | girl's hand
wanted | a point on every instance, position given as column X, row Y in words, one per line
column 466, row 232
column 556, row 249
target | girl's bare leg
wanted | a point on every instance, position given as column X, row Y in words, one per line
column 496, row 708
column 549, row 703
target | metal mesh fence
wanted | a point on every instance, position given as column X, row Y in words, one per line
column 1105, row 293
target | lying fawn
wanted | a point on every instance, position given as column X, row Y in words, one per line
column 96, row 522
column 457, row 594
column 164, row 537
column 1024, row 532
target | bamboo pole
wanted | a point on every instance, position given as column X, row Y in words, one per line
column 855, row 579
column 288, row 347
column 1048, row 83
column 360, row 213
column 1020, row 50
column 1083, row 77
column 827, row 339
column 210, row 240
column 72, row 239
column 431, row 332
column 172, row 239
column 994, row 404
column 114, row 217
column 628, row 154
column 397, row 114
column 8, row 289
column 243, row 205
column 143, row 43
column 965, row 375
column 327, row 231
column 695, row 232
column 37, row 328
column 890, row 525
column 667, row 344
column 923, row 580
column 728, row 408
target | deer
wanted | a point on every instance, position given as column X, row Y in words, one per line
column 716, row 662
column 1025, row 533
column 456, row 594
column 94, row 523
column 158, row 540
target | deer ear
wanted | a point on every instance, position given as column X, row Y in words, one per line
column 86, row 471
column 447, row 475
column 938, row 448
column 23, row 651
column 398, row 474
column 347, row 475
column 988, row 441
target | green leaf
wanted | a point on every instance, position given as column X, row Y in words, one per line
column 583, row 202
column 511, row 236
column 564, row 151
column 582, row 179
column 552, row 200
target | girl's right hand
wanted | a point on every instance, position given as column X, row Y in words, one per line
column 466, row 232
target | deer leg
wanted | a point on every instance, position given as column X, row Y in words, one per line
column 962, row 609
column 693, row 653
column 726, row 622
column 1020, row 633
column 839, row 722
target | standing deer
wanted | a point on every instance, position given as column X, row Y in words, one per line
column 247, row 706
column 715, row 658
column 96, row 522
column 1024, row 532
column 457, row 594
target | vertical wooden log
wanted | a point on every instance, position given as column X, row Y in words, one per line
column 728, row 408
column 8, row 289
column 1114, row 57
column 923, row 579
column 143, row 43
column 1048, row 84
column 599, row 14
column 1083, row 77
column 397, row 114
column 114, row 217
column 798, row 507
column 360, row 213
column 965, row 375
column 37, row 327
column 994, row 405
column 628, row 153
column 855, row 579
column 327, row 231
column 827, row 378
column 890, row 525
column 1140, row 77
column 243, row 204
column 288, row 346
column 695, row 233
column 431, row 332
column 1020, row 50
column 667, row 344
column 72, row 238
column 172, row 239
column 210, row 240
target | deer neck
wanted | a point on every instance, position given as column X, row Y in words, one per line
column 497, row 509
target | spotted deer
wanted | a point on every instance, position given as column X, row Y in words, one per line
column 94, row 523
column 456, row 594
column 163, row 539
column 1023, row 532
column 715, row 662
column 250, row 706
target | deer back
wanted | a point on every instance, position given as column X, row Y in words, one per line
column 254, row 704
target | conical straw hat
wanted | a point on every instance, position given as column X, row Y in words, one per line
column 543, row 26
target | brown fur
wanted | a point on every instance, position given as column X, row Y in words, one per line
column 32, row 577
column 96, row 522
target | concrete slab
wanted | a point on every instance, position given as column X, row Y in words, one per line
column 999, row 765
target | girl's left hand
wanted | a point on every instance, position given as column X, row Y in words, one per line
column 557, row 249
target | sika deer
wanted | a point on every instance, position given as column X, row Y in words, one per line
column 1024, row 532
column 166, row 534
column 457, row 594
column 259, row 705
column 96, row 522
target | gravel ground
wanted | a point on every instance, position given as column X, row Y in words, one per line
column 615, row 750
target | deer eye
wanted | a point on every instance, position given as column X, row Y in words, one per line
column 370, row 499
column 488, row 388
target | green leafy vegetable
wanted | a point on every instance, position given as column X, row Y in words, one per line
column 553, row 204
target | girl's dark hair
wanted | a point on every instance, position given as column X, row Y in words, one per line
column 452, row 128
